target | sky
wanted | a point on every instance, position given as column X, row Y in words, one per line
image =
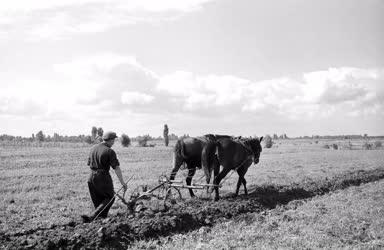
column 239, row 67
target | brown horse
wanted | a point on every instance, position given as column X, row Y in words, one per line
column 188, row 151
column 232, row 154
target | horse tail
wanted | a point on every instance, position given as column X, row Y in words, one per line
column 209, row 158
column 180, row 149
column 178, row 158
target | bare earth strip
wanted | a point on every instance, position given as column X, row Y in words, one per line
column 121, row 230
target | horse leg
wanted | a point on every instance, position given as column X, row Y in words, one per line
column 174, row 172
column 239, row 181
column 217, row 180
column 216, row 171
column 191, row 173
column 207, row 173
column 241, row 172
column 245, row 186
column 208, row 157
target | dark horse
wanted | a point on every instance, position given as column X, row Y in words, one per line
column 188, row 151
column 232, row 154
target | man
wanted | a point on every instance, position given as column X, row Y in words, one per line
column 101, row 158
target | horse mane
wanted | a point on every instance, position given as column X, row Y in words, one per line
column 251, row 144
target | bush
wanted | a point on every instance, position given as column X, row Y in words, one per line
column 143, row 141
column 367, row 146
column 100, row 132
column 348, row 146
column 40, row 136
column 335, row 146
column 378, row 144
column 98, row 139
column 93, row 132
column 125, row 140
column 88, row 139
column 268, row 141
column 326, row 146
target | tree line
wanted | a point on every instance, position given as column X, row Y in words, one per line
column 95, row 136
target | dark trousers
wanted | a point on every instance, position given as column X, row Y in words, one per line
column 101, row 190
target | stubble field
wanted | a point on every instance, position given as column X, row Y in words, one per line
column 301, row 196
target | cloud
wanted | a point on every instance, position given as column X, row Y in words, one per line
column 107, row 86
column 143, row 5
column 337, row 85
column 12, row 106
column 130, row 98
column 355, row 91
column 114, row 81
column 103, row 66
column 43, row 19
column 317, row 94
column 203, row 91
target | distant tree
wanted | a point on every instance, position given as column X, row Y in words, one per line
column 93, row 133
column 275, row 137
column 125, row 140
column 268, row 141
column 367, row 146
column 40, row 136
column 335, row 146
column 173, row 137
column 184, row 136
column 56, row 137
column 7, row 137
column 100, row 132
column 88, row 139
column 378, row 144
column 283, row 136
column 165, row 134
column 143, row 140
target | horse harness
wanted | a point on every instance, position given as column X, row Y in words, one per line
column 250, row 156
column 215, row 138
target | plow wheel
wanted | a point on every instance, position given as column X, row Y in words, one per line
column 159, row 193
column 172, row 197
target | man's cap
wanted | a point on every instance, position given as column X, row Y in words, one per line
column 109, row 135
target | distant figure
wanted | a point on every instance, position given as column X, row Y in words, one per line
column 165, row 134
column 101, row 158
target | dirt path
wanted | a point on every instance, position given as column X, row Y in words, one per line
column 119, row 231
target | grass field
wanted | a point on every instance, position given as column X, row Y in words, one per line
column 48, row 185
column 42, row 187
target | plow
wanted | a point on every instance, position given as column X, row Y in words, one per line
column 165, row 194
